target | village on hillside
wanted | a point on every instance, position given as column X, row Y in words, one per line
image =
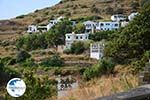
column 96, row 49
column 77, row 50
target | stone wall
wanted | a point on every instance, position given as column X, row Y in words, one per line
column 144, row 77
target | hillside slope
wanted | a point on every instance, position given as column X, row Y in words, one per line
column 80, row 8
column 77, row 8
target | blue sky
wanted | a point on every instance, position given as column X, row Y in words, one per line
column 12, row 8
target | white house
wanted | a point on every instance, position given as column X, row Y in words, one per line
column 51, row 24
column 118, row 17
column 32, row 29
column 97, row 50
column 107, row 25
column 71, row 37
column 132, row 15
column 54, row 22
column 60, row 18
column 89, row 26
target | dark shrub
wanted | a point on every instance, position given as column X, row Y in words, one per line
column 22, row 56
column 107, row 65
column 1, row 65
column 94, row 9
column 12, row 61
column 109, row 10
column 5, row 60
column 32, row 42
column 137, row 66
column 103, row 67
column 77, row 47
column 28, row 63
column 57, row 71
column 84, row 6
column 67, row 51
column 55, row 60
column 20, row 17
column 98, row 36
column 68, row 14
column 61, row 12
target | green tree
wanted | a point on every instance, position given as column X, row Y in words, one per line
column 55, row 61
column 1, row 65
column 59, row 31
column 133, row 40
column 32, row 42
column 79, row 28
column 77, row 47
column 144, row 3
column 105, row 66
column 98, row 36
column 22, row 56
column 146, row 56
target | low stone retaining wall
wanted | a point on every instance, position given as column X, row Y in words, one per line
column 79, row 63
column 144, row 77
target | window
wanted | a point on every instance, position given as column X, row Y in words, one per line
column 68, row 37
column 80, row 37
column 95, row 46
column 97, row 24
column 102, row 24
column 30, row 28
column 107, row 24
column 76, row 37
column 116, row 24
column 95, row 50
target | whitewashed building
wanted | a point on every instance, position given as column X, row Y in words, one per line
column 132, row 15
column 54, row 22
column 32, row 29
column 51, row 24
column 89, row 26
column 97, row 50
column 72, row 37
column 118, row 17
column 107, row 26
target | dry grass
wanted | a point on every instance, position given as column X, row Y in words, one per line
column 8, row 36
column 7, row 51
column 104, row 86
column 76, row 9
